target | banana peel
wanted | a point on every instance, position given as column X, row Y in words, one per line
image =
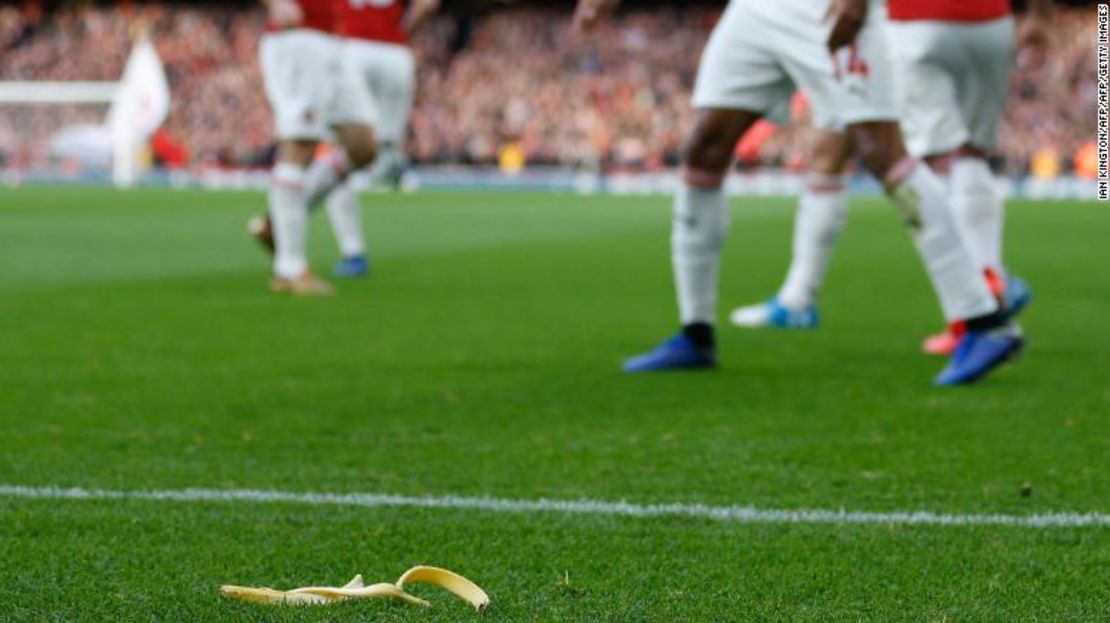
column 357, row 589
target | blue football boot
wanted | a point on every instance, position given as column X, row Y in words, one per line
column 677, row 353
column 979, row 352
column 772, row 314
column 1016, row 296
column 353, row 266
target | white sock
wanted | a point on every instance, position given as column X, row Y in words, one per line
column 325, row 174
column 820, row 217
column 346, row 220
column 956, row 277
column 979, row 212
column 289, row 215
column 700, row 221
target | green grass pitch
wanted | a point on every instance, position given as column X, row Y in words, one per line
column 140, row 350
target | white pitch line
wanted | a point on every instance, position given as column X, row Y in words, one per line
column 728, row 514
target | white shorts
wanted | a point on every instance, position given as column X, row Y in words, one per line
column 386, row 73
column 761, row 51
column 308, row 86
column 952, row 80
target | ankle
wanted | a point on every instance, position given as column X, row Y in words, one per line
column 700, row 333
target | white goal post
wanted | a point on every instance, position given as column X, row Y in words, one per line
column 33, row 92
column 46, row 93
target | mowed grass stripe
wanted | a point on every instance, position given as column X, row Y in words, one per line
column 732, row 514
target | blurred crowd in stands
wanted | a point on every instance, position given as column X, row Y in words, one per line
column 512, row 87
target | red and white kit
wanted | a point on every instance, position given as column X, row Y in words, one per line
column 309, row 88
column 376, row 52
column 952, row 62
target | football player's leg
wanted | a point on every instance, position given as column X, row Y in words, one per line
column 862, row 98
column 820, row 217
column 737, row 83
column 937, row 90
column 818, row 221
column 351, row 115
column 952, row 82
column 328, row 182
column 932, row 126
column 345, row 215
column 700, row 220
column 701, row 216
column 979, row 208
column 289, row 63
column 920, row 195
column 395, row 82
column 355, row 150
column 359, row 144
column 288, row 221
column 983, row 79
column 289, row 208
column 871, row 114
column 990, row 338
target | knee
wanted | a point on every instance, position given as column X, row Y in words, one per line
column 707, row 150
column 362, row 152
column 943, row 163
column 831, row 154
column 359, row 143
column 874, row 156
column 299, row 153
column 878, row 147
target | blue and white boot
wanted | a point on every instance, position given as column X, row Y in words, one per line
column 773, row 314
column 677, row 353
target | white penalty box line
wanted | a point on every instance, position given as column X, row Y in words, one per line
column 725, row 514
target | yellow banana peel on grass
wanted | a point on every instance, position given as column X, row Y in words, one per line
column 357, row 589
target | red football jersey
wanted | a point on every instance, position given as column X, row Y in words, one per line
column 373, row 20
column 318, row 15
column 948, row 10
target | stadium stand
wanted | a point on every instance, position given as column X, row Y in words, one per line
column 626, row 91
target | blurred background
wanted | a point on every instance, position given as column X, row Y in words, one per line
column 502, row 87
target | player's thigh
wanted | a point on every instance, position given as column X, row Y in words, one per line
column 985, row 77
column 297, row 151
column 295, row 69
column 738, row 70
column 712, row 140
column 928, row 86
column 831, row 152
